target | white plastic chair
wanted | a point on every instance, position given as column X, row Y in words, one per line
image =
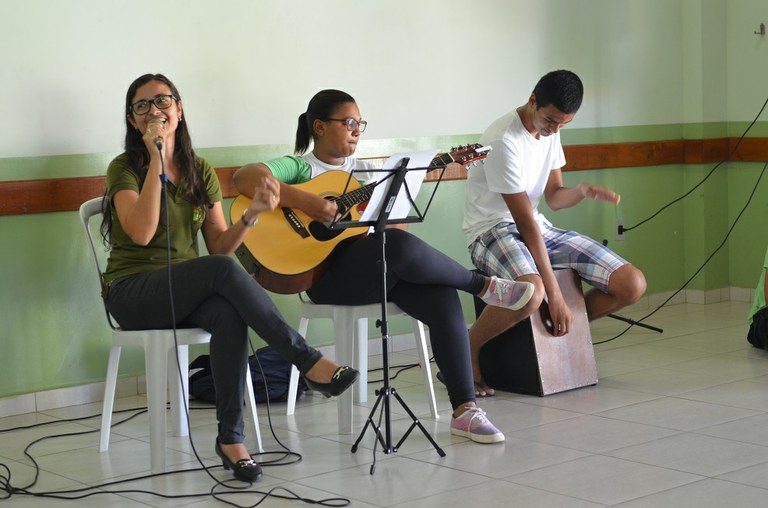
column 160, row 368
column 350, row 324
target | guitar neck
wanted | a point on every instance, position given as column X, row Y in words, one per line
column 356, row 196
column 364, row 193
column 441, row 160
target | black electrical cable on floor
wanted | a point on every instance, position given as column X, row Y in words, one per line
column 717, row 249
column 623, row 229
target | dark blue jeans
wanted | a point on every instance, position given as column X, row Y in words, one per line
column 213, row 293
column 422, row 281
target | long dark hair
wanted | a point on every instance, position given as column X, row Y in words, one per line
column 321, row 107
column 191, row 184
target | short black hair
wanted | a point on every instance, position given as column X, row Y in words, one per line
column 563, row 89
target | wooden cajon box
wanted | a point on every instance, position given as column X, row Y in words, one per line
column 528, row 359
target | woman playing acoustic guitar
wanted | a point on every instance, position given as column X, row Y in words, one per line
column 420, row 280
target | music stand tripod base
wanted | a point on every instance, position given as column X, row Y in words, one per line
column 385, row 438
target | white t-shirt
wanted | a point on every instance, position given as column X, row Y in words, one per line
column 518, row 162
column 350, row 163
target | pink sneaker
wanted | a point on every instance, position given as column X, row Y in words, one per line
column 507, row 293
column 473, row 423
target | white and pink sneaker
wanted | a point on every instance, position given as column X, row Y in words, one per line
column 507, row 293
column 473, row 423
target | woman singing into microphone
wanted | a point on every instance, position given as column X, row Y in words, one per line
column 211, row 292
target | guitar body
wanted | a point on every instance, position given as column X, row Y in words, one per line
column 286, row 250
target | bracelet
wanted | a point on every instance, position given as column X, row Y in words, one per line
column 245, row 221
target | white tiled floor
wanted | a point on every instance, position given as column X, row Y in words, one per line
column 677, row 419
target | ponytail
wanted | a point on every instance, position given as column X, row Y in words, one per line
column 303, row 136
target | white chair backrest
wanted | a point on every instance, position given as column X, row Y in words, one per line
column 89, row 209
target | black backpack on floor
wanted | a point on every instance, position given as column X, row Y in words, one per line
column 275, row 369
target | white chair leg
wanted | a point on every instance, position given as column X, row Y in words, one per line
column 156, row 360
column 250, row 409
column 293, row 388
column 178, row 389
column 426, row 368
column 293, row 383
column 360, row 343
column 109, row 397
column 344, row 330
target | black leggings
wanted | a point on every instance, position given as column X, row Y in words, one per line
column 420, row 280
column 213, row 293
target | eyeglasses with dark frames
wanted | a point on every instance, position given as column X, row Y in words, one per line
column 350, row 122
column 162, row 101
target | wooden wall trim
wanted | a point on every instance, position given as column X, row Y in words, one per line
column 19, row 197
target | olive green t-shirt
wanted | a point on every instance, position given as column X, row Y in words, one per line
column 128, row 258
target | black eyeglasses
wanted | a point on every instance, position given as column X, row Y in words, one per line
column 351, row 123
column 143, row 106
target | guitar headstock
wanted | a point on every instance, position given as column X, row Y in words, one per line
column 469, row 154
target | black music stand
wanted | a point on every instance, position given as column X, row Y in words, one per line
column 396, row 178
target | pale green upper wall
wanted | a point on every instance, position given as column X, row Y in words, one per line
column 246, row 68
column 427, row 73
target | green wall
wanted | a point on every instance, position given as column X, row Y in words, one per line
column 653, row 70
column 53, row 326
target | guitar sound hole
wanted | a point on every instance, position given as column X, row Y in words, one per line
column 321, row 232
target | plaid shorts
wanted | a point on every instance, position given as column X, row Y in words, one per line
column 500, row 251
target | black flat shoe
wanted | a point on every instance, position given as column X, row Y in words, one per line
column 340, row 381
column 245, row 470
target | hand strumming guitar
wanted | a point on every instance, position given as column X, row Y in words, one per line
column 317, row 207
column 266, row 196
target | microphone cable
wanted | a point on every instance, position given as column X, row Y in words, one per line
column 288, row 452
column 7, row 490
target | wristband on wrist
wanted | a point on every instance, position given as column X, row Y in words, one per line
column 245, row 221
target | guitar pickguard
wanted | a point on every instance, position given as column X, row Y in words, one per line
column 322, row 233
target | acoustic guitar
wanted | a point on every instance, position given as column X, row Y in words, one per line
column 287, row 250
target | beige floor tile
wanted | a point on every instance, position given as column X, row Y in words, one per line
column 678, row 418
column 677, row 413
column 603, row 479
column 696, row 454
column 709, row 493
column 593, row 434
